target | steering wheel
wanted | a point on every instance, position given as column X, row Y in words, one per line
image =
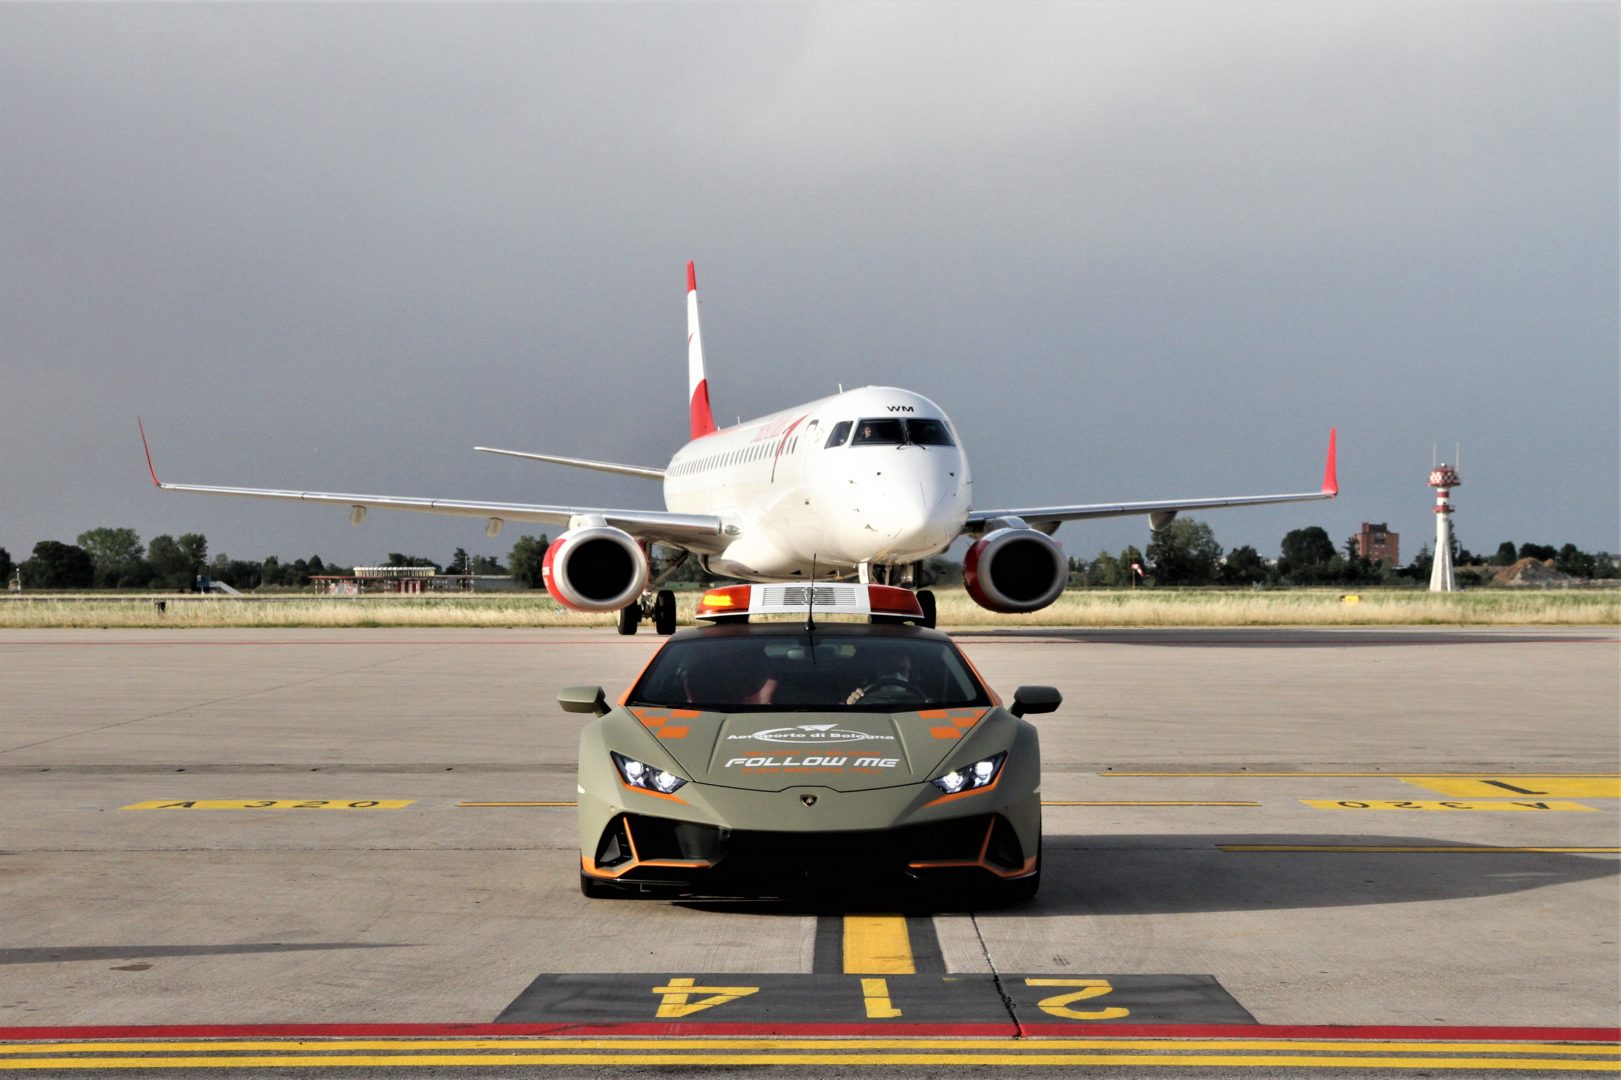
column 907, row 688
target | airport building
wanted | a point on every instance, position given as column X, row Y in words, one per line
column 1377, row 542
column 410, row 581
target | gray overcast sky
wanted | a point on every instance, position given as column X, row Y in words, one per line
column 1135, row 251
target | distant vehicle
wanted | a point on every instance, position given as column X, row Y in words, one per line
column 865, row 484
column 765, row 759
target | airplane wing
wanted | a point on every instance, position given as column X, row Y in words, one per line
column 643, row 471
column 699, row 532
column 1160, row 512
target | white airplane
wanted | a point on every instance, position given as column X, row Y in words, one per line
column 866, row 483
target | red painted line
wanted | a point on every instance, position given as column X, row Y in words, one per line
column 1378, row 1033
column 313, row 641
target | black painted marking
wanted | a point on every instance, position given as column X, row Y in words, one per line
column 1516, row 790
column 926, row 956
column 829, row 955
column 1058, row 998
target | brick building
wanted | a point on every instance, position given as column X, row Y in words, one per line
column 1376, row 542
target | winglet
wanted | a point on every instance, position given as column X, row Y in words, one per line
column 703, row 422
column 1331, row 477
column 155, row 481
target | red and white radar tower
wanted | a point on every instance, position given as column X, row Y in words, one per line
column 1443, row 478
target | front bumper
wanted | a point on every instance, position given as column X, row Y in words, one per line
column 660, row 855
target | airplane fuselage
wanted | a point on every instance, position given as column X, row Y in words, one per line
column 875, row 475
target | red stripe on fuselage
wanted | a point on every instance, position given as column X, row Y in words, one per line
column 783, row 443
column 703, row 422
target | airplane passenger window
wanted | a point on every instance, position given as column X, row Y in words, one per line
column 881, row 431
column 841, row 432
column 928, row 432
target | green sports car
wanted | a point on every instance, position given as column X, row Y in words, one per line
column 763, row 758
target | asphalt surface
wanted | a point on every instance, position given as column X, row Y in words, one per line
column 1251, row 833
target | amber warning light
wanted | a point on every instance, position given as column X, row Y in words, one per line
column 824, row 599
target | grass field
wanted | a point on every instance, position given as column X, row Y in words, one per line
column 1087, row 607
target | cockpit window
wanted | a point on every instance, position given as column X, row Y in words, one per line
column 892, row 431
column 817, row 673
column 883, row 431
column 841, row 432
column 928, row 433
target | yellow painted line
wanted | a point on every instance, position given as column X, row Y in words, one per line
column 877, row 945
column 835, row 1058
column 271, row 804
column 517, row 804
column 1525, row 805
column 1514, row 787
column 1165, row 802
column 1361, row 849
column 1034, row 1044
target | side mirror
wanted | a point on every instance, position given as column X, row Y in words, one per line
column 585, row 699
column 1028, row 700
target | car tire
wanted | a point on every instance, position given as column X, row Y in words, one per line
column 664, row 613
column 925, row 600
column 629, row 617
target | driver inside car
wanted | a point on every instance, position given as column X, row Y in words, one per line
column 892, row 673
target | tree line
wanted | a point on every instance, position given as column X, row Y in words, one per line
column 116, row 558
column 1185, row 552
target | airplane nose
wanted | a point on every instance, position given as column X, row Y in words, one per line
column 916, row 517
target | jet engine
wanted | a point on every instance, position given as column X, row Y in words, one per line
column 1015, row 569
column 596, row 568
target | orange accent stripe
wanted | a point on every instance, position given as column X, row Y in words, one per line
column 996, row 699
column 636, row 860
column 650, row 791
column 982, row 862
column 673, row 733
column 971, row 791
column 626, row 695
column 945, row 733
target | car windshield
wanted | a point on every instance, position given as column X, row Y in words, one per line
column 803, row 671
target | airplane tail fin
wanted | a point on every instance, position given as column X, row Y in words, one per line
column 703, row 422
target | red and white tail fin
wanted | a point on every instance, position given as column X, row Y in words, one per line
column 703, row 422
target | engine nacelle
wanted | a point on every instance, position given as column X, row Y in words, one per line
column 1011, row 570
column 598, row 568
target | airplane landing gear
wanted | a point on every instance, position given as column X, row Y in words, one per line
column 925, row 600
column 629, row 616
column 659, row 607
column 664, row 613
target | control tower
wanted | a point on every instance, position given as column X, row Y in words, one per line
column 1443, row 478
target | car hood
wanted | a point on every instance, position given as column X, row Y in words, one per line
column 845, row 751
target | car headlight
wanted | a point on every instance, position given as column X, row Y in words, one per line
column 980, row 774
column 639, row 775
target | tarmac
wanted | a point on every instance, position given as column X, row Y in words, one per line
column 1266, row 852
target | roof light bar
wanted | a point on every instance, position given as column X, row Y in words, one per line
column 833, row 598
